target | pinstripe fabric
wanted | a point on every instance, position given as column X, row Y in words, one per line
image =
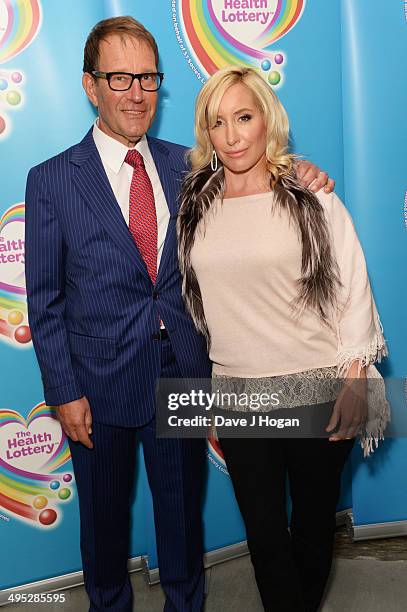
column 104, row 488
column 175, row 470
column 175, row 474
column 90, row 298
column 94, row 315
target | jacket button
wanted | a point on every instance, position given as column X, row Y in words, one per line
column 156, row 336
column 155, row 295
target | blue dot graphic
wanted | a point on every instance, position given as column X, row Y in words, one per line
column 266, row 64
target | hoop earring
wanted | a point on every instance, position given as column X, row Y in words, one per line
column 214, row 161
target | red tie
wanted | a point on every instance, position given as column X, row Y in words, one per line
column 142, row 214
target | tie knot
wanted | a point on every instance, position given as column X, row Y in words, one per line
column 134, row 158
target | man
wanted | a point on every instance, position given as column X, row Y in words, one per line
column 107, row 318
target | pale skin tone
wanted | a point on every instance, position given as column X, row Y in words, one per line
column 239, row 139
column 126, row 116
column 306, row 174
column 350, row 410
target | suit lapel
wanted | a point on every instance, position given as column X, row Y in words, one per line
column 170, row 176
column 92, row 182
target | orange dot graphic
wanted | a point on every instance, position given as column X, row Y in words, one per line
column 40, row 502
column 15, row 317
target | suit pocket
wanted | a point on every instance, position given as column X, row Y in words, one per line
column 89, row 346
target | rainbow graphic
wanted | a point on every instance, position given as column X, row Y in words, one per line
column 13, row 314
column 35, row 496
column 286, row 16
column 13, row 300
column 20, row 20
column 15, row 213
column 225, row 32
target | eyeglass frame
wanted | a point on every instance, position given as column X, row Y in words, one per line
column 108, row 75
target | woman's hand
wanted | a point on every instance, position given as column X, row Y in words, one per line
column 350, row 410
column 311, row 177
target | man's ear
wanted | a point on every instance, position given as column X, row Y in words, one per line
column 89, row 85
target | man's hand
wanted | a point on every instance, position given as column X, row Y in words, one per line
column 311, row 177
column 76, row 420
column 350, row 410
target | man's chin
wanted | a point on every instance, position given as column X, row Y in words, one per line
column 135, row 129
column 130, row 137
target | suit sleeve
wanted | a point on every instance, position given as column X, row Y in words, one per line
column 45, row 281
column 360, row 334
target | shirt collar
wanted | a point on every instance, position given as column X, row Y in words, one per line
column 113, row 152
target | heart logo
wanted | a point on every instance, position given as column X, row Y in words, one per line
column 236, row 32
column 12, row 246
column 32, row 451
column 29, row 444
column 14, row 327
column 254, row 23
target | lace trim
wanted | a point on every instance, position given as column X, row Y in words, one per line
column 310, row 387
column 302, row 388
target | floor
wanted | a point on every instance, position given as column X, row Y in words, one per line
column 367, row 576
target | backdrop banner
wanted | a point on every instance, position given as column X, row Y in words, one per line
column 42, row 111
column 335, row 69
column 375, row 140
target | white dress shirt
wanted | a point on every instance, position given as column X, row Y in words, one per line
column 112, row 153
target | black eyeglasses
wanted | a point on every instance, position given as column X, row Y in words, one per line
column 122, row 81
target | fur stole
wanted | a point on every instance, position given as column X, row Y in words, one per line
column 320, row 276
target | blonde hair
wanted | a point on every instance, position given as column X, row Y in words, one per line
column 320, row 274
column 279, row 161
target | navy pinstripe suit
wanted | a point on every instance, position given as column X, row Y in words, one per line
column 94, row 317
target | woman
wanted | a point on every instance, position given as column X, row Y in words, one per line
column 275, row 279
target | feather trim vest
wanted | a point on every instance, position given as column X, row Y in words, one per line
column 320, row 276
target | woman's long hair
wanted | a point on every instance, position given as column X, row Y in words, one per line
column 319, row 271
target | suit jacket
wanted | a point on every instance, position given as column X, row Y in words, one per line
column 93, row 310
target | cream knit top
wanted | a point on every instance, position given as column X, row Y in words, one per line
column 247, row 259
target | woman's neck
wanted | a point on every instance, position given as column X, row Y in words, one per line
column 247, row 183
